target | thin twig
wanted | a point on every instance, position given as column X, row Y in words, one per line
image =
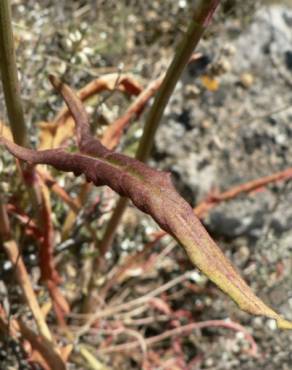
column 92, row 362
column 113, row 133
column 11, row 248
column 41, row 350
column 235, row 191
column 110, row 311
column 185, row 330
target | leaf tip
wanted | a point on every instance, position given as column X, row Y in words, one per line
column 284, row 324
column 55, row 81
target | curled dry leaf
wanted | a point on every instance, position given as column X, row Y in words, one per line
column 55, row 133
column 152, row 192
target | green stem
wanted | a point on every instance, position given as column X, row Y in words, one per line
column 202, row 15
column 113, row 225
column 200, row 19
column 9, row 75
column 103, row 247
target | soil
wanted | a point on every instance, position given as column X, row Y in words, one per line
column 228, row 122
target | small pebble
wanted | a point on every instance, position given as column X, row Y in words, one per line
column 192, row 91
column 246, row 80
column 272, row 324
column 229, row 49
column 242, row 255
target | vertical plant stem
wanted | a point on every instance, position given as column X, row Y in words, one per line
column 201, row 18
column 13, row 103
column 9, row 75
column 12, row 250
column 112, row 226
column 11, row 88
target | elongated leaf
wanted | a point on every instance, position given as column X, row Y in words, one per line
column 152, row 192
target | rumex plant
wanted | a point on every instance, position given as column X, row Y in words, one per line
column 153, row 193
column 150, row 190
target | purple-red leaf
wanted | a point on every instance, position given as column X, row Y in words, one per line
column 152, row 192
